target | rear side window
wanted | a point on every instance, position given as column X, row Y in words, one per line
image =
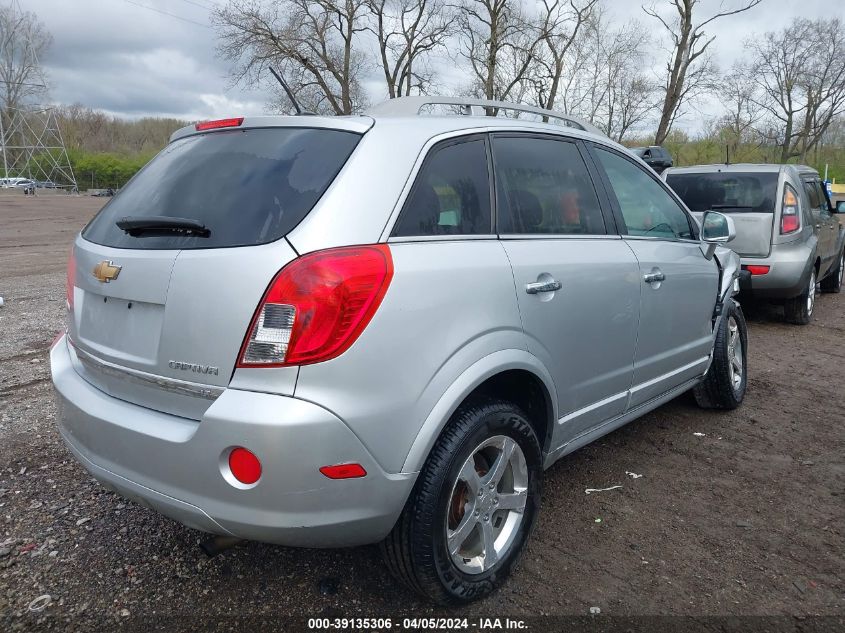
column 246, row 186
column 646, row 207
column 733, row 192
column 812, row 193
column 451, row 195
column 543, row 187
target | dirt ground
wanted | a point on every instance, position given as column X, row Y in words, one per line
column 736, row 514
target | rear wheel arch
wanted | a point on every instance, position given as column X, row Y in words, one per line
column 524, row 389
column 508, row 370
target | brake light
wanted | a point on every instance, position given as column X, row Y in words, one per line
column 317, row 306
column 71, row 280
column 218, row 123
column 756, row 269
column 790, row 220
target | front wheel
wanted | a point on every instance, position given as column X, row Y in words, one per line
column 723, row 387
column 472, row 508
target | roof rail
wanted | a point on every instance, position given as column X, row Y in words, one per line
column 469, row 106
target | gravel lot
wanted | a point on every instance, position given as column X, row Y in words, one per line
column 744, row 520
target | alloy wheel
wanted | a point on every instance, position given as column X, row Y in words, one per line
column 811, row 294
column 486, row 506
column 735, row 354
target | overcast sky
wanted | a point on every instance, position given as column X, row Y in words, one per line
column 158, row 58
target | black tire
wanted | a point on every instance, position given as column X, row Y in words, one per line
column 416, row 550
column 833, row 281
column 799, row 310
column 718, row 389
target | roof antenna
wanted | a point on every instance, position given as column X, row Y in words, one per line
column 727, row 154
column 296, row 106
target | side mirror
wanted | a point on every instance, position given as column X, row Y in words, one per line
column 716, row 228
column 840, row 207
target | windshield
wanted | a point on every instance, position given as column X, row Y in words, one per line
column 734, row 192
column 246, row 187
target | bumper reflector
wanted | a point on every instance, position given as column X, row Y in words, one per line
column 343, row 471
column 244, row 465
column 756, row 270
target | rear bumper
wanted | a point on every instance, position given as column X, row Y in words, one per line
column 175, row 465
column 789, row 271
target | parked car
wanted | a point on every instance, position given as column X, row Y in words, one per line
column 655, row 156
column 104, row 193
column 316, row 336
column 787, row 232
column 47, row 184
column 16, row 183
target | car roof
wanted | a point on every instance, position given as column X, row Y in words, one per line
column 389, row 115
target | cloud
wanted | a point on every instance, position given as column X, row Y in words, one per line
column 134, row 61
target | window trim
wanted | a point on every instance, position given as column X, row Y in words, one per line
column 431, row 152
column 610, row 228
column 621, row 225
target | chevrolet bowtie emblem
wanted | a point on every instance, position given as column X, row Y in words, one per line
column 106, row 271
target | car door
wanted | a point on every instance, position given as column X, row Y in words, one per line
column 678, row 285
column 824, row 224
column 577, row 283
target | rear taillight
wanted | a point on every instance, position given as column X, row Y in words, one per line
column 317, row 306
column 71, row 280
column 219, row 123
column 790, row 218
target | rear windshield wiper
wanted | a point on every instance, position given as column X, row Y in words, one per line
column 162, row 225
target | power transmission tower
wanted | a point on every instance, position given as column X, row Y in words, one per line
column 31, row 143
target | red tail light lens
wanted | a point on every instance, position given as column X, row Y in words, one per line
column 790, row 219
column 218, row 123
column 756, row 269
column 71, row 280
column 317, row 306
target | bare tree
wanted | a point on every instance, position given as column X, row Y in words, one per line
column 688, row 69
column 499, row 42
column 408, row 32
column 312, row 41
column 23, row 41
column 601, row 75
column 801, row 75
column 631, row 104
column 560, row 25
column 739, row 95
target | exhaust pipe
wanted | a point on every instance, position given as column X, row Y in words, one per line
column 217, row 544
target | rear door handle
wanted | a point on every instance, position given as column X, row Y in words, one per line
column 542, row 286
column 651, row 278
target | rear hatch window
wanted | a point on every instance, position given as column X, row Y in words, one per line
column 732, row 192
column 246, row 187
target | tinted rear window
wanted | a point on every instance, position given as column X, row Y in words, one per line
column 246, row 186
column 733, row 192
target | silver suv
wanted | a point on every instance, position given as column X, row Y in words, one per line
column 787, row 232
column 331, row 331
